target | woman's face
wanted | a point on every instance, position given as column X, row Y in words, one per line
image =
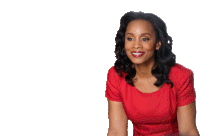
column 140, row 42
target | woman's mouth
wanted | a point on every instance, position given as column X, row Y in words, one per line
column 137, row 54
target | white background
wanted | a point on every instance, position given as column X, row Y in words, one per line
column 55, row 55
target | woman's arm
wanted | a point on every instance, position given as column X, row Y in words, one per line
column 186, row 116
column 118, row 121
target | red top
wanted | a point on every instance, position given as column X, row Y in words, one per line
column 153, row 114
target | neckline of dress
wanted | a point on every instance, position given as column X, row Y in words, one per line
column 152, row 92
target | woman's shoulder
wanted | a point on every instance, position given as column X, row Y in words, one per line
column 112, row 71
column 180, row 69
column 179, row 72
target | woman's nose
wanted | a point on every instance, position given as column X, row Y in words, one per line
column 137, row 44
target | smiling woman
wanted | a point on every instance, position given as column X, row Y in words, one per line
column 140, row 33
column 146, row 85
column 149, row 32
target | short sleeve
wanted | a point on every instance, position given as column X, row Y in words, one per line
column 112, row 86
column 186, row 92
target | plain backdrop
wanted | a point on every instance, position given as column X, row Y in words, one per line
column 55, row 55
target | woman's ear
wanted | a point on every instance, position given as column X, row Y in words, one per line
column 158, row 45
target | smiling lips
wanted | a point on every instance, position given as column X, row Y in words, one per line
column 137, row 53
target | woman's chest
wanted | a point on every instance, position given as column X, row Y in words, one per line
column 147, row 86
column 157, row 107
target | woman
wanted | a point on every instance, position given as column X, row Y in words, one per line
column 146, row 85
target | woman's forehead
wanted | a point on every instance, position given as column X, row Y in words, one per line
column 139, row 26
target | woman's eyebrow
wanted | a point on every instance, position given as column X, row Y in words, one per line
column 141, row 34
column 130, row 33
column 146, row 33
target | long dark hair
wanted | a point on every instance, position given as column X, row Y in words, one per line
column 164, row 57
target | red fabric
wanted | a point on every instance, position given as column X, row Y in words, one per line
column 153, row 114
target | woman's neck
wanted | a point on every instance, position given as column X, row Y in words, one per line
column 143, row 71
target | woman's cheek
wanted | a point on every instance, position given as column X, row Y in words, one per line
column 127, row 46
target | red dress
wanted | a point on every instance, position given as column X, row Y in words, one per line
column 153, row 114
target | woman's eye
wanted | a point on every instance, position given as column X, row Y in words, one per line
column 145, row 39
column 130, row 39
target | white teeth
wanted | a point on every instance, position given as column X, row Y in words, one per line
column 137, row 53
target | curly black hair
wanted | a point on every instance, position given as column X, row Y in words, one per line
column 164, row 57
